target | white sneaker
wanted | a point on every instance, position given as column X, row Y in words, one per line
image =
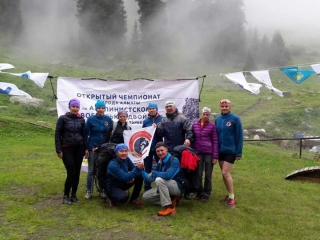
column 88, row 195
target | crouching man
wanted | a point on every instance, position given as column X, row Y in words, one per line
column 167, row 177
column 122, row 174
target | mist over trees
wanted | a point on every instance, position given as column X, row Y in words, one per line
column 176, row 31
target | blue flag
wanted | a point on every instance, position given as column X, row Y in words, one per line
column 298, row 76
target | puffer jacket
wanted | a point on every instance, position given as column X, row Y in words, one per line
column 70, row 131
column 205, row 139
column 175, row 129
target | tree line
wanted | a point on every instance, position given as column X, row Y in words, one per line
column 175, row 30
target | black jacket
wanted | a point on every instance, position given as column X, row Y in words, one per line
column 70, row 131
column 117, row 136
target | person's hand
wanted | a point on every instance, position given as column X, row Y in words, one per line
column 131, row 181
column 86, row 154
column 95, row 149
column 60, row 155
column 238, row 158
column 150, row 175
column 154, row 124
column 214, row 161
column 140, row 165
column 187, row 142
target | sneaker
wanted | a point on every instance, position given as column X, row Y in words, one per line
column 74, row 199
column 88, row 195
column 198, row 196
column 175, row 201
column 224, row 199
column 231, row 202
column 66, row 200
column 136, row 202
column 166, row 211
column 205, row 198
column 103, row 194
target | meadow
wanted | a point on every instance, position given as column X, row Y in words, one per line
column 268, row 206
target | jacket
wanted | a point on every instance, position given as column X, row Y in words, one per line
column 119, row 172
column 148, row 122
column 175, row 129
column 70, row 131
column 117, row 136
column 205, row 139
column 96, row 126
column 230, row 134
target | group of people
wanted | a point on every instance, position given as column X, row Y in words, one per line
column 75, row 138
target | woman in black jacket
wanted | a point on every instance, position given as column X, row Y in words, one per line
column 71, row 147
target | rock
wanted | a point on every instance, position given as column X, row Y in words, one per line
column 256, row 137
column 3, row 107
column 25, row 102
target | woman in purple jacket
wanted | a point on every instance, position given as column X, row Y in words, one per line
column 206, row 146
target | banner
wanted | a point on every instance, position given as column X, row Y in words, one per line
column 130, row 95
column 139, row 142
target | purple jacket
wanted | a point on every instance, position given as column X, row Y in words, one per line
column 205, row 139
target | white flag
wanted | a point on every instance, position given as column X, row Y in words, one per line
column 12, row 89
column 37, row 78
column 240, row 80
column 139, row 142
column 316, row 68
column 264, row 77
column 4, row 66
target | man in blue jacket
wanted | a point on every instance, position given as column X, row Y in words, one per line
column 122, row 174
column 167, row 176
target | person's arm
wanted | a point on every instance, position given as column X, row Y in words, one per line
column 187, row 127
column 239, row 138
column 172, row 171
column 58, row 135
column 115, row 170
column 106, row 136
column 215, row 145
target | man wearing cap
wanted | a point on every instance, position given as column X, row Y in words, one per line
column 167, row 176
column 175, row 128
column 152, row 119
column 122, row 174
column 96, row 126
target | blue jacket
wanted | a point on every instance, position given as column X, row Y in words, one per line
column 167, row 169
column 96, row 126
column 175, row 129
column 230, row 134
column 148, row 122
column 119, row 172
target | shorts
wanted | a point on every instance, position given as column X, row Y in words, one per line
column 227, row 157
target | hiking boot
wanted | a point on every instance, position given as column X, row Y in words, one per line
column 224, row 199
column 166, row 211
column 205, row 198
column 74, row 199
column 103, row 194
column 198, row 196
column 231, row 202
column 136, row 202
column 88, row 195
column 175, row 201
column 66, row 200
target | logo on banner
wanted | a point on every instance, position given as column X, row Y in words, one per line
column 139, row 142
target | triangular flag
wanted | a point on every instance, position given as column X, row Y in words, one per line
column 37, row 78
column 240, row 80
column 264, row 77
column 12, row 89
column 298, row 76
column 4, row 66
column 316, row 68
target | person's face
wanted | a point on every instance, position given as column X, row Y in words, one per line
column 100, row 111
column 74, row 110
column 123, row 118
column 170, row 109
column 152, row 111
column 162, row 152
column 122, row 154
column 205, row 117
column 225, row 108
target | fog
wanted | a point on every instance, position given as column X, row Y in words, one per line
column 51, row 27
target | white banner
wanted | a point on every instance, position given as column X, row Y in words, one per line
column 130, row 95
column 139, row 142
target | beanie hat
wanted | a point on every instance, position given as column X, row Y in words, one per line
column 120, row 146
column 153, row 105
column 225, row 101
column 74, row 102
column 123, row 112
column 170, row 103
column 206, row 109
column 160, row 144
column 100, row 103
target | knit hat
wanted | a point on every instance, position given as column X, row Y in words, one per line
column 226, row 101
column 153, row 105
column 120, row 146
column 100, row 103
column 206, row 109
column 74, row 102
column 170, row 103
column 123, row 112
column 161, row 144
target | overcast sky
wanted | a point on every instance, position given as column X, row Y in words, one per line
column 298, row 20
